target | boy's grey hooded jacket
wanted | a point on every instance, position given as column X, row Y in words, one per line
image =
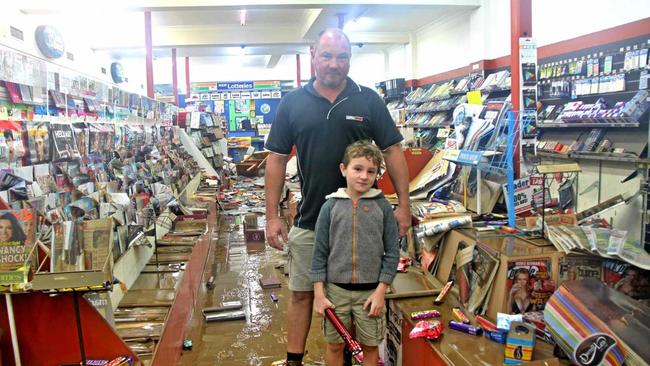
column 355, row 244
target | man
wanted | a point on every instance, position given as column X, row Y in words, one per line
column 321, row 120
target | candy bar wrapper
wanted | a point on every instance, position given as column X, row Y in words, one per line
column 429, row 329
column 426, row 314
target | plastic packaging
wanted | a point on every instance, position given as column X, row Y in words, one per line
column 426, row 314
column 429, row 329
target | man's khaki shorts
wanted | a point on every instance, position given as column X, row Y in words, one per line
column 301, row 248
column 349, row 308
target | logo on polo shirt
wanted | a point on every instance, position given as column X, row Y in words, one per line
column 354, row 118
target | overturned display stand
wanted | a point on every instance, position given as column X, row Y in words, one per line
column 47, row 335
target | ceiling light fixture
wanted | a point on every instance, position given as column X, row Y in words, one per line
column 242, row 17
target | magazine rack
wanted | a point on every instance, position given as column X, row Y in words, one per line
column 45, row 333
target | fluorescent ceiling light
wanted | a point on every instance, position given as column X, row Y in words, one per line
column 242, row 17
column 358, row 24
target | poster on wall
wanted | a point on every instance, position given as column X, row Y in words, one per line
column 215, row 96
column 225, row 96
column 256, row 95
column 276, row 94
column 266, row 94
column 235, row 95
column 245, row 95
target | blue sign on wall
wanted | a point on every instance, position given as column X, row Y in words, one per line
column 49, row 41
column 235, row 85
column 266, row 108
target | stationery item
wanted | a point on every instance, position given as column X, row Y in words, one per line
column 426, row 314
column 441, row 296
column 460, row 316
column 465, row 328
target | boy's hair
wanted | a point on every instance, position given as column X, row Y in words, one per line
column 363, row 148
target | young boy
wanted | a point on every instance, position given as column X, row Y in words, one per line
column 355, row 254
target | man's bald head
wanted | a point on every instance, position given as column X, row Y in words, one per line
column 332, row 33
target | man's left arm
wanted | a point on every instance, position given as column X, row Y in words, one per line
column 399, row 175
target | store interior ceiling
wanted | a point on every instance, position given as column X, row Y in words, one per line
column 261, row 30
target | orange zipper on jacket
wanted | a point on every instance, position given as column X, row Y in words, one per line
column 354, row 241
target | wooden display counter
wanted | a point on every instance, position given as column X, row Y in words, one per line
column 453, row 347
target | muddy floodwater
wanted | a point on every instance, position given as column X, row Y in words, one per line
column 261, row 338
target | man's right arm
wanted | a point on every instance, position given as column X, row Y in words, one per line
column 276, row 166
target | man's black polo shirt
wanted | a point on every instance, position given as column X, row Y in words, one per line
column 321, row 131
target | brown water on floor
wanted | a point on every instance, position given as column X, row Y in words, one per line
column 261, row 338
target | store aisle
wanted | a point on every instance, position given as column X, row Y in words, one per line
column 261, row 338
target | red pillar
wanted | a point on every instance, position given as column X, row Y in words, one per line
column 174, row 76
column 298, row 78
column 187, row 76
column 149, row 56
column 520, row 26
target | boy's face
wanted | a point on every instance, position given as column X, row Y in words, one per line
column 360, row 174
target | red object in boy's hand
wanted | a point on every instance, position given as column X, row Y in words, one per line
column 352, row 344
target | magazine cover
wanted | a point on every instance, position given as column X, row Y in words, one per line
column 65, row 144
column 482, row 271
column 529, row 285
column 97, row 243
column 626, row 278
column 81, row 136
column 578, row 268
column 37, row 142
column 17, row 235
column 12, row 147
column 64, row 251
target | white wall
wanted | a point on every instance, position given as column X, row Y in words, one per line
column 397, row 63
column 367, row 68
column 86, row 61
column 484, row 33
column 443, row 46
column 557, row 20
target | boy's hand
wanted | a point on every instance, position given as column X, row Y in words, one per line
column 321, row 303
column 375, row 302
